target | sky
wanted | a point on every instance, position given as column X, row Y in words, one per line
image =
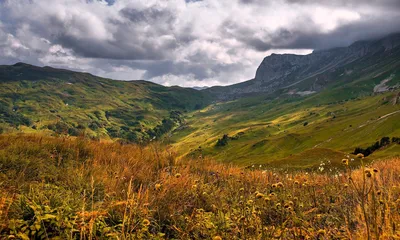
column 182, row 42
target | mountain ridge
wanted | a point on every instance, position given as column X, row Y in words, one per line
column 280, row 71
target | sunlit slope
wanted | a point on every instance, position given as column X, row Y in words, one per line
column 291, row 131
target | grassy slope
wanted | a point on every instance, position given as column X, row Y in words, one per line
column 48, row 95
column 274, row 131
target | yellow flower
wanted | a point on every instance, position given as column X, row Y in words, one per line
column 280, row 185
column 345, row 161
column 178, row 175
column 217, row 238
column 360, row 155
column 157, row 186
column 321, row 232
column 145, row 222
column 368, row 173
column 259, row 195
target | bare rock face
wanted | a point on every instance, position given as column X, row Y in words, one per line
column 312, row 72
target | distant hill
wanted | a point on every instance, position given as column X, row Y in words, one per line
column 306, row 74
column 63, row 101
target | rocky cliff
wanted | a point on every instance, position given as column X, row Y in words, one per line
column 313, row 72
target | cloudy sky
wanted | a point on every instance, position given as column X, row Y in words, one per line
column 182, row 42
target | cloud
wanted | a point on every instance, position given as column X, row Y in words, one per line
column 182, row 42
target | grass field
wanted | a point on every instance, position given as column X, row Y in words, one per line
column 72, row 188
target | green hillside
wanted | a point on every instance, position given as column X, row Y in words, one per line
column 280, row 131
column 46, row 99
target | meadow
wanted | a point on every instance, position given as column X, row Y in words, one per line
column 74, row 188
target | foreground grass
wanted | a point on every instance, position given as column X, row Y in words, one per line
column 75, row 189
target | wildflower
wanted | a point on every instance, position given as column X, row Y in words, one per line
column 368, row 173
column 321, row 232
column 259, row 195
column 360, row 155
column 250, row 202
column 296, row 182
column 178, row 175
column 217, row 238
column 346, row 185
column 200, row 210
column 345, row 161
column 194, row 186
column 280, row 185
column 157, row 186
column 241, row 189
column 267, row 199
column 274, row 185
column 379, row 192
column 278, row 205
column 272, row 195
column 145, row 222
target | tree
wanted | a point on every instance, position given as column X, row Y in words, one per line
column 223, row 141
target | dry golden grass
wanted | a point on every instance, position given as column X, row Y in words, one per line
column 77, row 189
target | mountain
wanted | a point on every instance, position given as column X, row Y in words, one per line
column 305, row 74
column 63, row 101
column 300, row 111
column 296, row 112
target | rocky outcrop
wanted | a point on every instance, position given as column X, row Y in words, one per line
column 318, row 69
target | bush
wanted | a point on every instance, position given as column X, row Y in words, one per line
column 376, row 146
column 222, row 141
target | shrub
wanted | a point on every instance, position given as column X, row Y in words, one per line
column 222, row 141
column 376, row 146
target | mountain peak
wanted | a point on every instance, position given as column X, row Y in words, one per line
column 315, row 71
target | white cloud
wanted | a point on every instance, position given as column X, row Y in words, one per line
column 178, row 42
